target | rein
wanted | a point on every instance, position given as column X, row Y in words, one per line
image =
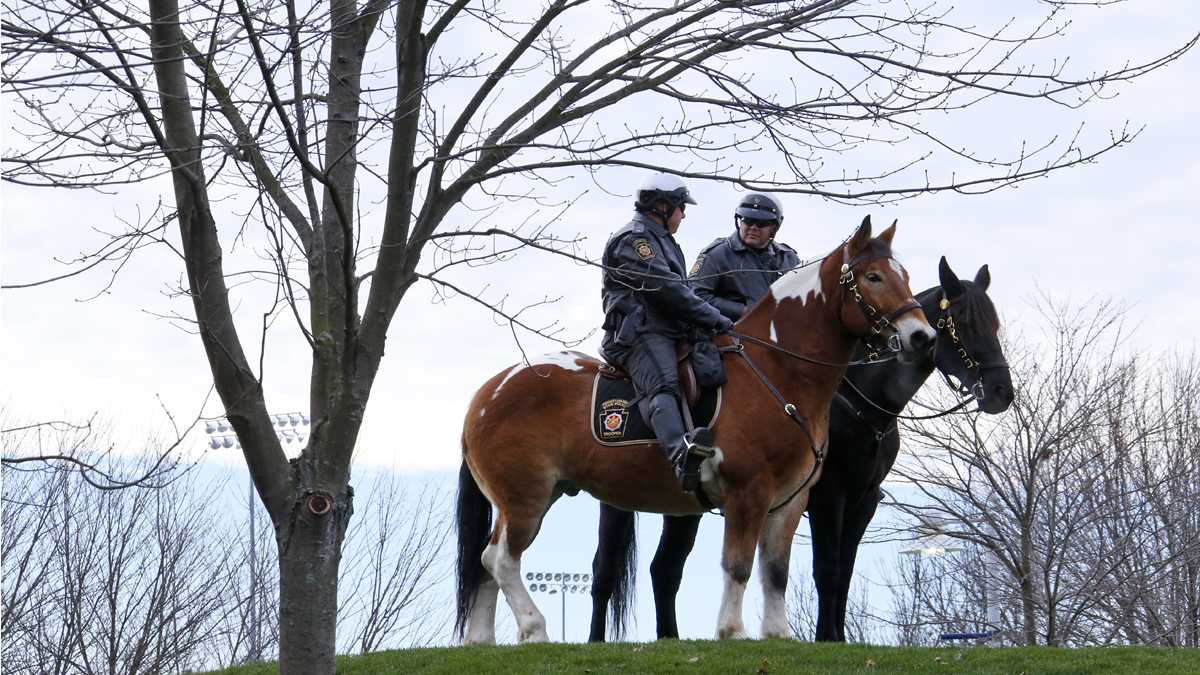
column 789, row 409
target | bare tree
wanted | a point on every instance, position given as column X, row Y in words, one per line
column 1070, row 506
column 120, row 581
column 1014, row 486
column 336, row 139
column 59, row 444
column 395, row 563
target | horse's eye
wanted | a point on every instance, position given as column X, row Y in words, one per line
column 874, row 277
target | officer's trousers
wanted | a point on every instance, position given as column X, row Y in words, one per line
column 651, row 364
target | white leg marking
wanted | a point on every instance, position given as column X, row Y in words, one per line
column 531, row 625
column 481, row 625
column 729, row 619
column 775, row 552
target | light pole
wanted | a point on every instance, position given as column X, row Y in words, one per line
column 289, row 427
column 926, row 547
column 561, row 583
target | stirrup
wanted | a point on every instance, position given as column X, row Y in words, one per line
column 701, row 443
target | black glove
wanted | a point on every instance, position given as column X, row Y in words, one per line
column 724, row 325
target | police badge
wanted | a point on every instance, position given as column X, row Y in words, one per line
column 613, row 414
column 642, row 248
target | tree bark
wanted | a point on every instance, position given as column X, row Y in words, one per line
column 310, row 545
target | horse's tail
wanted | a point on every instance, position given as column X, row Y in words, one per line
column 474, row 518
column 624, row 583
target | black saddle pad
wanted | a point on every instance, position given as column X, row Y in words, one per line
column 616, row 422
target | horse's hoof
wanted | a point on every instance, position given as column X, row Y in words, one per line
column 534, row 633
column 732, row 634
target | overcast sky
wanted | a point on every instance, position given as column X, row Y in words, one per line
column 1124, row 228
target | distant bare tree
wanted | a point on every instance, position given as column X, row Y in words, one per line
column 396, row 560
column 118, row 581
column 336, row 140
column 1016, row 486
column 1074, row 509
column 80, row 446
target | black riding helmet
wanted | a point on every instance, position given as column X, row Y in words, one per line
column 663, row 187
column 760, row 206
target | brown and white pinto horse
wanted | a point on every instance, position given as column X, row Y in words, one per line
column 527, row 440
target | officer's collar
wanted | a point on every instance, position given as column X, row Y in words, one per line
column 736, row 243
column 651, row 223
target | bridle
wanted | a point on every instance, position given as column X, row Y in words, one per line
column 945, row 324
column 879, row 323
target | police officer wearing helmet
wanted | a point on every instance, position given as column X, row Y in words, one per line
column 734, row 272
column 648, row 306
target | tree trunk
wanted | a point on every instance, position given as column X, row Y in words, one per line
column 1028, row 608
column 310, row 544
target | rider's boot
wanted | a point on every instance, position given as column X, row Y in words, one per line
column 685, row 454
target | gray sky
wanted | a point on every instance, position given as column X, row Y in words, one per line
column 1124, row 228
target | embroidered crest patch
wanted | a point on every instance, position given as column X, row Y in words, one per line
column 642, row 248
column 697, row 265
column 613, row 414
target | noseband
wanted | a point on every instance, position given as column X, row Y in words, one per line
column 945, row 323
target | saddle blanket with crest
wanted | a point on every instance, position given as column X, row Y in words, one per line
column 616, row 419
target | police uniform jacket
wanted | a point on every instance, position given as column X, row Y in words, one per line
column 732, row 276
column 646, row 289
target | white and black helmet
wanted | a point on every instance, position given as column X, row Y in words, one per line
column 662, row 187
column 760, row 206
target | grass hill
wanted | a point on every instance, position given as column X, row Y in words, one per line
column 761, row 657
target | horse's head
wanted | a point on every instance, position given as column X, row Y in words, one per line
column 876, row 300
column 968, row 348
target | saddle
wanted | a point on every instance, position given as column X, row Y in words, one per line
column 616, row 421
column 687, row 376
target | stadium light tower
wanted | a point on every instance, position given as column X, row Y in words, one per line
column 290, row 428
column 562, row 583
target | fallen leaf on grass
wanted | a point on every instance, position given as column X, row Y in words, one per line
column 764, row 668
column 871, row 665
column 694, row 659
column 638, row 648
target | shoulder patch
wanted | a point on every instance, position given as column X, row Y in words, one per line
column 643, row 249
column 698, row 264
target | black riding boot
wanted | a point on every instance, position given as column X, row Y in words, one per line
column 685, row 454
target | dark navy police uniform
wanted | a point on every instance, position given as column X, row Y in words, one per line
column 733, row 276
column 648, row 305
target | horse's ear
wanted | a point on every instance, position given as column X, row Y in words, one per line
column 951, row 286
column 983, row 278
column 887, row 234
column 862, row 236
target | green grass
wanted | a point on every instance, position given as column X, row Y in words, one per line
column 752, row 657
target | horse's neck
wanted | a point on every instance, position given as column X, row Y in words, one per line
column 801, row 315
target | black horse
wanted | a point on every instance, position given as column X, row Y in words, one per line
column 863, row 444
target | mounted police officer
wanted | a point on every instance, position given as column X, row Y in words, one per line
column 736, row 271
column 648, row 306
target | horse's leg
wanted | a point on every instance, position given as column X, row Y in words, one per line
column 744, row 514
column 775, row 549
column 515, row 530
column 616, row 526
column 858, row 517
column 825, row 522
column 666, row 570
column 481, row 625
